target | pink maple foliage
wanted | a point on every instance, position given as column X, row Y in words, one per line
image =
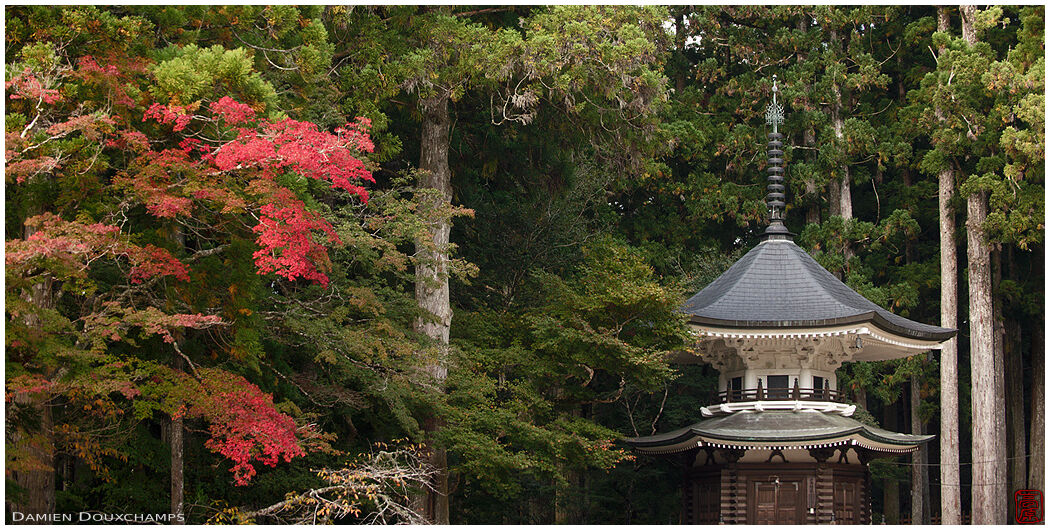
column 71, row 247
column 112, row 77
column 151, row 261
column 174, row 114
column 22, row 170
column 247, row 151
column 26, row 384
column 303, row 148
column 114, row 322
column 129, row 139
column 28, row 85
column 244, row 424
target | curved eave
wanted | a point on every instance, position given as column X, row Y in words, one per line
column 871, row 317
column 858, row 439
column 676, row 438
column 698, row 435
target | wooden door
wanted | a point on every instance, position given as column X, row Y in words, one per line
column 765, row 498
column 777, row 501
column 777, row 387
column 846, row 503
column 708, row 500
column 789, row 503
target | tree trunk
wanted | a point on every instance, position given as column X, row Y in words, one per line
column 998, row 338
column 1009, row 338
column 679, row 42
column 968, row 14
column 909, row 245
column 989, row 435
column 998, row 356
column 432, row 292
column 920, row 477
column 37, row 484
column 845, row 200
column 840, row 185
column 1015, row 410
column 1037, row 439
column 951, row 496
column 175, row 439
column 811, row 201
column 1037, row 432
column 989, row 443
column 176, row 430
column 862, row 397
column 834, row 199
column 891, row 496
column 177, row 468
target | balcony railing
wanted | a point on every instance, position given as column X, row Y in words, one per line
column 780, row 394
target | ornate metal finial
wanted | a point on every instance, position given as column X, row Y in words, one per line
column 775, row 197
column 775, row 111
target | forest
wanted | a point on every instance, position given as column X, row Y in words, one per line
column 351, row 264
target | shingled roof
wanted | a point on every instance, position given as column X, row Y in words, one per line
column 779, row 285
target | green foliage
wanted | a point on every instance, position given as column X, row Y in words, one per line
column 606, row 161
column 521, row 405
column 185, row 75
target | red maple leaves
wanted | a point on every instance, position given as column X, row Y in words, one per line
column 287, row 246
column 297, row 146
column 292, row 240
column 245, row 426
column 198, row 181
column 231, row 111
column 151, row 261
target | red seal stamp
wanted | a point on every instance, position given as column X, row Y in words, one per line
column 1028, row 506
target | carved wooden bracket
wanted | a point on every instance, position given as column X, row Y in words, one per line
column 732, row 455
column 822, row 454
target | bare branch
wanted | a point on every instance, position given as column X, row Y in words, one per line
column 483, row 11
column 205, row 253
column 659, row 412
column 189, row 362
column 375, row 490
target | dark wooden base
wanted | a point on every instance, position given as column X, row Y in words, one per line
column 777, row 493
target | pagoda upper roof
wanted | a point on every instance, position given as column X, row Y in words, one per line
column 779, row 285
column 778, row 430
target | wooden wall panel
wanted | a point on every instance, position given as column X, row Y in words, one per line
column 733, row 494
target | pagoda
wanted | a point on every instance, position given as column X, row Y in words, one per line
column 780, row 445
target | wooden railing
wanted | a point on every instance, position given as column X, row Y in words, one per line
column 774, row 394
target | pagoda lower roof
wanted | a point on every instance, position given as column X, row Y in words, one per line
column 778, row 430
column 779, row 285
